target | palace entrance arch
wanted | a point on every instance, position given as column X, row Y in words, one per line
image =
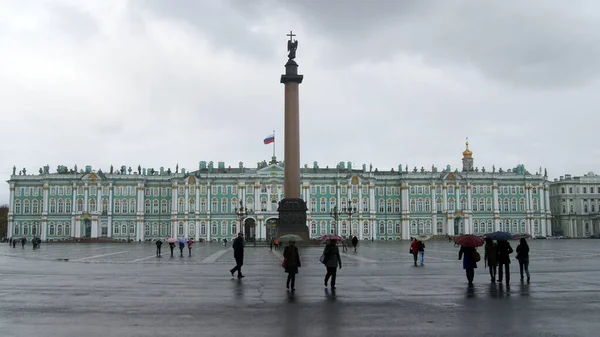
column 250, row 229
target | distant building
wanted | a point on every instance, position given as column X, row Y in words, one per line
column 370, row 204
column 575, row 203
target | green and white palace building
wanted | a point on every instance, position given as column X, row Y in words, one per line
column 205, row 203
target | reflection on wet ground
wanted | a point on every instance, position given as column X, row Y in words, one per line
column 125, row 290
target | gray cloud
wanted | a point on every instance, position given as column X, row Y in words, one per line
column 392, row 82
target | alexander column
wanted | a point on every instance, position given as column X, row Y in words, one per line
column 292, row 209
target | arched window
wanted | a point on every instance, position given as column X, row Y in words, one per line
column 428, row 229
column 132, row 208
column 413, row 227
column 536, row 226
column 476, row 227
column 463, row 204
column 132, row 229
column 366, row 228
column 474, row 204
column 398, row 228
column 164, row 207
column 147, row 207
column 381, row 227
column 155, row 206
column 117, row 207
column 313, row 228
column 80, row 205
column 52, row 206
column 412, row 190
column 123, row 228
column 419, row 205
column 505, row 203
column 203, row 228
column 332, row 203
column 389, row 206
column 105, row 206
column 421, row 229
column 506, row 225
column 481, row 205
column 180, row 229
column 92, row 205
column 440, row 227
column 344, row 228
column 490, row 226
column 235, row 204
column 313, row 205
column 116, row 228
column 234, row 227
column 365, row 205
column 344, row 204
column 203, row 205
column 192, row 205
column 513, row 205
column 263, row 205
column 68, row 206
column 535, row 204
column 439, row 204
column 413, row 206
column 323, row 205
column 451, row 204
column 323, row 227
column 155, row 229
column 26, row 207
column 59, row 229
column 213, row 228
column 381, row 206
column 224, row 205
column 427, row 205
column 124, row 206
column 192, row 229
column 146, row 230
column 397, row 206
column 515, row 226
column 488, row 204
column 224, row 228
column 51, row 230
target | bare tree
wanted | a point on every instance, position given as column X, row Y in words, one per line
column 3, row 220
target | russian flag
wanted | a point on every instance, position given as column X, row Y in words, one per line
column 270, row 139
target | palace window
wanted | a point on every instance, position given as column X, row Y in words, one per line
column 59, row 229
column 124, row 208
column 203, row 228
column 192, row 205
column 389, row 206
column 398, row 229
column 164, row 209
column 92, row 205
column 52, row 206
column 203, row 205
column 535, row 204
column 344, row 205
column 481, row 205
column 323, row 205
column 223, row 205
column 332, row 189
column 440, row 227
column 26, row 207
column 474, row 204
column 313, row 190
column 419, row 189
column 313, row 205
column 397, row 206
column 34, row 207
column 534, row 190
column 224, row 228
column 438, row 189
column 451, row 204
column 505, row 205
column 365, row 205
column 163, row 229
column 354, row 189
column 463, row 204
column 427, row 205
column 61, row 207
column 439, row 204
column 366, row 228
column 488, row 204
column 323, row 189
column 381, row 206
column 147, row 207
column 132, row 208
column 214, row 205
column 513, row 205
column 313, row 228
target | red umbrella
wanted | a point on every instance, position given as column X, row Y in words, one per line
column 469, row 240
column 331, row 237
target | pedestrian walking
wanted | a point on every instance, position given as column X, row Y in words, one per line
column 344, row 246
column 238, row 255
column 523, row 257
column 23, row 242
column 332, row 261
column 190, row 243
column 158, row 245
column 421, row 251
column 271, row 245
column 172, row 247
column 354, row 242
column 469, row 256
column 414, row 250
column 504, row 251
column 490, row 258
column 224, row 242
column 291, row 263
column 181, row 246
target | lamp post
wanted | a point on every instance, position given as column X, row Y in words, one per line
column 350, row 211
column 243, row 212
column 335, row 214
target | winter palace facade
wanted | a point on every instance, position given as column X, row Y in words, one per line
column 374, row 205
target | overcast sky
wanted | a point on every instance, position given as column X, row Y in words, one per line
column 158, row 83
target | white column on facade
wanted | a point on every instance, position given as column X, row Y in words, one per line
column 86, row 195
column 372, row 203
column 496, row 207
column 338, row 193
column 404, row 211
column 45, row 200
column 433, row 199
column 469, row 217
column 256, row 196
column 197, row 187
column 174, row 210
column 548, row 222
column 110, row 210
column 11, row 201
column 208, row 201
column 186, row 202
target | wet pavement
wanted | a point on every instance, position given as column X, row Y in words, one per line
column 125, row 290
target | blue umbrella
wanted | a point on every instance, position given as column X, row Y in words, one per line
column 502, row 236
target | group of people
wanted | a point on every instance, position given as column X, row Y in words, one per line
column 497, row 259
column 35, row 242
column 181, row 244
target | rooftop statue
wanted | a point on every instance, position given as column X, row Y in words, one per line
column 292, row 46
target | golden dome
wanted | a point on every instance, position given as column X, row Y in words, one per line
column 467, row 153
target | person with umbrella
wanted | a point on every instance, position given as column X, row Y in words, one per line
column 523, row 257
column 291, row 264
column 238, row 255
column 490, row 257
column 181, row 246
column 332, row 260
column 504, row 250
column 468, row 254
column 158, row 244
column 190, row 242
column 172, row 245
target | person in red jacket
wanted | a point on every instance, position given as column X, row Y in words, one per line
column 414, row 249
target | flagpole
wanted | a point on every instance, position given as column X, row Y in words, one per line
column 273, row 143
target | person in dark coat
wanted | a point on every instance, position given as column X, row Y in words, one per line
column 354, row 242
column 158, row 245
column 181, row 246
column 292, row 258
column 466, row 255
column 421, row 250
column 238, row 255
column 491, row 258
column 23, row 241
column 172, row 247
column 504, row 251
column 331, row 260
column 523, row 257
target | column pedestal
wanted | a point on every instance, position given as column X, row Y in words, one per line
column 292, row 217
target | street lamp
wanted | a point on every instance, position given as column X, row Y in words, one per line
column 243, row 212
column 335, row 214
column 350, row 211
